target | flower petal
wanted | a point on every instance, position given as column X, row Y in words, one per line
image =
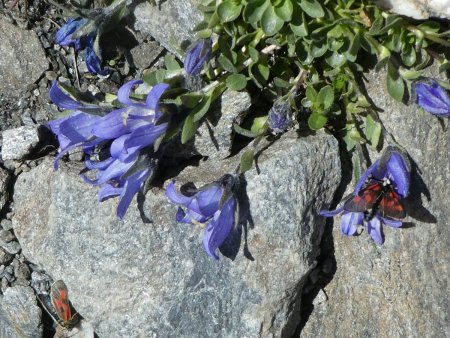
column 399, row 173
column 394, row 223
column 123, row 95
column 370, row 171
column 196, row 56
column 433, row 98
column 155, row 94
column 64, row 100
column 113, row 125
column 98, row 165
column 114, row 171
column 132, row 186
column 208, row 198
column 374, row 230
column 108, row 191
column 331, row 213
column 93, row 62
column 175, row 197
column 63, row 36
column 350, row 222
column 144, row 136
column 219, row 228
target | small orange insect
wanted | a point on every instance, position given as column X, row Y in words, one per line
column 59, row 296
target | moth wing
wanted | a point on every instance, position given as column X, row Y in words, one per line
column 391, row 205
column 365, row 199
column 60, row 300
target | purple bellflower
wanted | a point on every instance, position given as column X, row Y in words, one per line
column 196, row 56
column 214, row 203
column 431, row 97
column 64, row 38
column 127, row 134
column 392, row 167
column 280, row 116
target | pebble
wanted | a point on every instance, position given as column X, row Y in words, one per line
column 6, row 224
column 12, row 247
column 18, row 142
column 6, row 236
column 5, row 257
column 21, row 273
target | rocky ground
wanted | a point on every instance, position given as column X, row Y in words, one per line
column 287, row 273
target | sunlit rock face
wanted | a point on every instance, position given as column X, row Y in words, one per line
column 418, row 9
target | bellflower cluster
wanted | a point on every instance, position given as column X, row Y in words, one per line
column 127, row 134
column 64, row 38
column 431, row 97
column 214, row 203
column 393, row 167
column 196, row 56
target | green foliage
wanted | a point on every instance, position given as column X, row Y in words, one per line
column 312, row 52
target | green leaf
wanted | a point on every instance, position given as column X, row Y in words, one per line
column 246, row 162
column 171, row 63
column 317, row 121
column 226, row 64
column 408, row 55
column 259, row 125
column 254, row 54
column 284, row 10
column 271, row 23
column 395, row 84
column 298, row 25
column 313, row 8
column 373, row 131
column 190, row 100
column 228, row 11
column 189, row 128
column 154, row 77
column 244, row 132
column 236, row 82
column 259, row 72
column 336, row 59
column 356, row 167
column 254, row 10
column 326, row 96
column 202, row 108
column 311, row 93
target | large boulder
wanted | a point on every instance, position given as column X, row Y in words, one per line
column 133, row 279
column 399, row 289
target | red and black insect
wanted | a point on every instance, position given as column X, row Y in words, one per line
column 377, row 196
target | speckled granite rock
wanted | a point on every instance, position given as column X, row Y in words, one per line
column 418, row 9
column 138, row 279
column 22, row 59
column 401, row 288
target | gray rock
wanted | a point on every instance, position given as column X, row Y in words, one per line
column 21, row 273
column 145, row 53
column 19, row 314
column 170, row 24
column 401, row 288
column 23, row 60
column 135, row 279
column 5, row 257
column 215, row 135
column 18, row 142
column 12, row 247
column 4, row 189
column 6, row 236
column 6, row 224
column 418, row 9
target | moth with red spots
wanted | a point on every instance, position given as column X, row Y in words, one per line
column 59, row 296
column 58, row 306
column 377, row 196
